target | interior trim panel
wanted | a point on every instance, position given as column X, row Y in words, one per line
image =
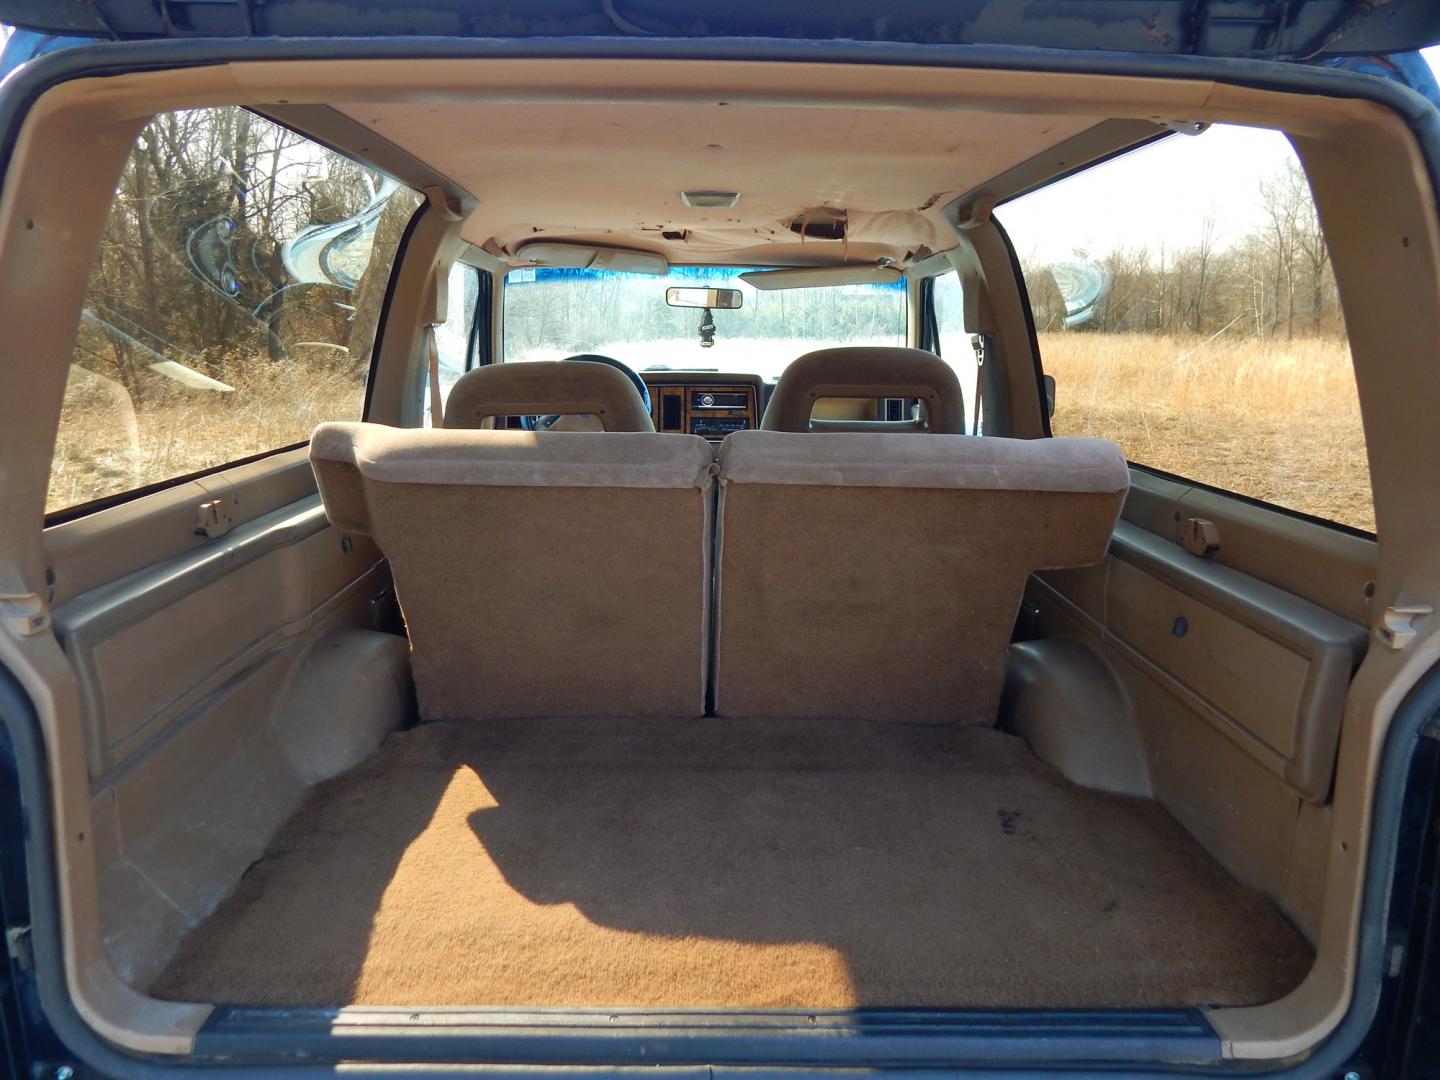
column 1267, row 669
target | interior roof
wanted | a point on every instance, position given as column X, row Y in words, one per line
column 612, row 173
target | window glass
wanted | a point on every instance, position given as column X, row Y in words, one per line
column 232, row 305
column 955, row 345
column 1185, row 304
column 554, row 313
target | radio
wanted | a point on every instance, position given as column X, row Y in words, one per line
column 717, row 427
column 719, row 399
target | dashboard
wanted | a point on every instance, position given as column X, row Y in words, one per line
column 710, row 404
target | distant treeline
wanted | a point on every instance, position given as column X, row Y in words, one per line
column 1275, row 281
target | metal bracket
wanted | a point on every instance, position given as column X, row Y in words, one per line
column 1184, row 127
column 1397, row 624
column 24, row 615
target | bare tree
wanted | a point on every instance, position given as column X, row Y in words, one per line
column 1260, row 281
column 1204, row 253
column 1285, row 199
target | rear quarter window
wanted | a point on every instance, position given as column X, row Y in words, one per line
column 1185, row 304
column 232, row 304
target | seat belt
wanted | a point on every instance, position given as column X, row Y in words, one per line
column 977, row 342
column 432, row 349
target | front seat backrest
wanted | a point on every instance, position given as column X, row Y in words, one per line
column 546, row 388
column 540, row 573
column 867, row 372
column 878, row 577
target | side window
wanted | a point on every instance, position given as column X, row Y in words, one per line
column 953, row 343
column 1185, row 304
column 232, row 305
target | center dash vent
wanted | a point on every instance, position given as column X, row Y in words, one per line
column 671, row 410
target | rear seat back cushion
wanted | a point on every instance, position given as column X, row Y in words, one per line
column 541, row 574
column 877, row 576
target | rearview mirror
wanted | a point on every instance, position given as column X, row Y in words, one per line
column 724, row 299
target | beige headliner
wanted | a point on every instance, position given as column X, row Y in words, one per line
column 612, row 172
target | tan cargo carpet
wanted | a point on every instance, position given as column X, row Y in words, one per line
column 747, row 864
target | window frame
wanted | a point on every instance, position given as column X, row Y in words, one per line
column 105, row 502
column 481, row 351
column 1251, row 500
column 929, row 321
column 381, row 324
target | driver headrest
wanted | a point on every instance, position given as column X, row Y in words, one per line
column 547, row 388
column 867, row 372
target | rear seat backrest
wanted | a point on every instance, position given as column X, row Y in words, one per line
column 541, row 574
column 878, row 576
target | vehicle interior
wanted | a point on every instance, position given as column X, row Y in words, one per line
column 685, row 594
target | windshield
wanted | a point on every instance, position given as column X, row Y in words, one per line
column 554, row 313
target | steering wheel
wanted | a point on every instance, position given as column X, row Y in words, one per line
column 544, row 423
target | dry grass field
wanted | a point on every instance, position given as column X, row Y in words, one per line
column 108, row 444
column 1275, row 420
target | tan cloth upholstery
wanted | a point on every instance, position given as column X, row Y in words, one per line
column 541, row 573
column 547, row 388
column 877, row 577
column 866, row 372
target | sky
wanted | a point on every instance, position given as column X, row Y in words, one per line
column 1158, row 194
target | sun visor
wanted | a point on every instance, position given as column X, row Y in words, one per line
column 817, row 277
column 590, row 257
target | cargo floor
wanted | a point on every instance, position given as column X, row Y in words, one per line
column 730, row 863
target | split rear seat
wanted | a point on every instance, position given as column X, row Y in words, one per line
column 878, row 576
column 541, row 574
column 865, row 576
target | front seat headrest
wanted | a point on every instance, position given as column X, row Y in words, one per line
column 867, row 372
column 547, row 388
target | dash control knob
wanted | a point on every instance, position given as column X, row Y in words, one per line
column 707, row 400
